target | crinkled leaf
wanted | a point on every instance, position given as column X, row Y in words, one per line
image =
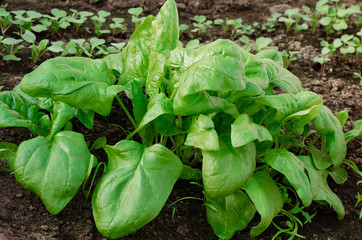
column 136, row 54
column 320, row 188
column 255, row 69
column 281, row 77
column 53, row 169
column 271, row 54
column 206, row 70
column 226, row 170
column 285, row 104
column 134, row 188
column 267, row 198
column 288, row 164
column 202, row 134
column 17, row 111
column 80, row 82
column 244, row 130
column 234, row 212
column 165, row 35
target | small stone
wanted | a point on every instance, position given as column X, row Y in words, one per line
column 181, row 5
column 55, row 229
column 334, row 89
column 19, row 194
column 338, row 84
column 44, row 227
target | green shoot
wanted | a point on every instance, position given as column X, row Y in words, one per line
column 36, row 50
column 135, row 12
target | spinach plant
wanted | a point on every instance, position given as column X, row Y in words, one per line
column 118, row 24
column 204, row 113
column 5, row 20
column 36, row 50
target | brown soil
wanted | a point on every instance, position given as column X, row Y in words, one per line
column 22, row 214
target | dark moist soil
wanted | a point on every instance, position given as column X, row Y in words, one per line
column 22, row 214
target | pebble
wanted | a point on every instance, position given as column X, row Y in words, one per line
column 19, row 194
column 44, row 227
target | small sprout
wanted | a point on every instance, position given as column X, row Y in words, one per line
column 56, row 47
column 9, row 44
column 183, row 27
column 202, row 24
column 358, row 75
column 26, row 23
column 135, row 12
column 98, row 22
column 79, row 18
column 322, row 60
column 117, row 24
column 247, row 45
column 348, row 45
column 36, row 50
column 289, row 57
column 59, row 19
column 116, row 47
column 225, row 24
column 236, row 24
column 5, row 20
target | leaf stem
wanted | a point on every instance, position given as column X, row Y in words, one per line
column 126, row 111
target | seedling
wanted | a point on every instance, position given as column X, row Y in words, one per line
column 202, row 24
column 358, row 75
column 136, row 12
column 56, row 47
column 89, row 47
column 99, row 20
column 26, row 23
column 271, row 22
column 247, row 44
column 36, row 50
column 331, row 48
column 322, row 61
column 114, row 48
column 236, row 25
column 10, row 45
column 225, row 24
column 348, row 45
column 59, row 19
column 183, row 27
column 5, row 20
column 289, row 57
column 79, row 18
column 117, row 24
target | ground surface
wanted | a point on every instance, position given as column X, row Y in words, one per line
column 22, row 214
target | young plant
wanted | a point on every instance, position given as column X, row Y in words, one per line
column 226, row 24
column 358, row 76
column 271, row 22
column 59, row 19
column 5, row 20
column 136, row 12
column 117, row 24
column 202, row 24
column 227, row 121
column 56, row 47
column 322, row 60
column 26, row 23
column 331, row 48
column 348, row 45
column 99, row 20
column 289, row 57
column 36, row 50
column 10, row 45
column 79, row 18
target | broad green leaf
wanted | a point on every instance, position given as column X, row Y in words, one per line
column 285, row 104
column 271, row 54
column 267, row 198
column 136, row 54
column 17, row 111
column 342, row 117
column 226, row 170
column 320, row 159
column 62, row 113
column 234, row 212
column 53, row 169
column 281, row 77
column 320, row 188
column 243, row 131
column 165, row 35
column 309, row 106
column 327, row 124
column 8, row 153
column 134, row 188
column 202, row 134
column 293, row 169
column 252, row 89
column 158, row 106
column 166, row 125
column 115, row 62
column 339, row 175
column 255, row 69
column 85, row 116
column 206, row 70
column 80, row 82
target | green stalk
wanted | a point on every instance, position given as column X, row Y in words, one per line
column 126, row 111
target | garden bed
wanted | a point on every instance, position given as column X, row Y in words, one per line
column 23, row 215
